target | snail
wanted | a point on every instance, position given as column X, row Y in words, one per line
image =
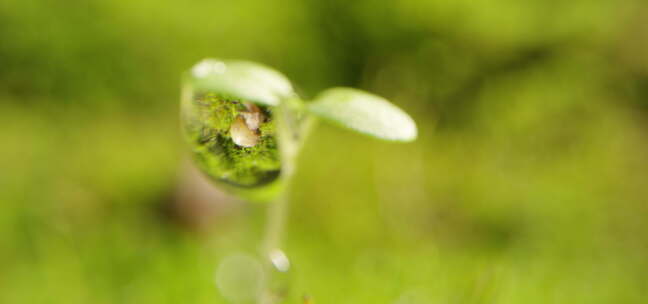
column 244, row 131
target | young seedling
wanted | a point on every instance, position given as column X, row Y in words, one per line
column 245, row 125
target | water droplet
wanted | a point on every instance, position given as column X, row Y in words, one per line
column 232, row 139
column 279, row 260
column 240, row 278
column 277, row 276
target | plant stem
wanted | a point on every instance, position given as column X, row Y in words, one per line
column 275, row 224
column 291, row 130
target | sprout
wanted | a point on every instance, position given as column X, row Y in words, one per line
column 245, row 124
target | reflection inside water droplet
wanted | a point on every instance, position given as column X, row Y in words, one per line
column 233, row 141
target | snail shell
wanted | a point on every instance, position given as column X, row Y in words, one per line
column 244, row 129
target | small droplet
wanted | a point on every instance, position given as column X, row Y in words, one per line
column 277, row 276
column 279, row 260
column 240, row 278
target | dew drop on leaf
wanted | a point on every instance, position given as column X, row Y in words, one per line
column 232, row 138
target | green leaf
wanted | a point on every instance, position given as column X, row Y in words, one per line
column 365, row 113
column 241, row 80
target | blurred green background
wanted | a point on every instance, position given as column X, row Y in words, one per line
column 527, row 183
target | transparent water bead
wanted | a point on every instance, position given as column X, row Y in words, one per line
column 279, row 260
column 243, row 278
column 240, row 278
column 228, row 111
column 277, row 283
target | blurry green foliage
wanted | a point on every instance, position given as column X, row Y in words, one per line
column 526, row 185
